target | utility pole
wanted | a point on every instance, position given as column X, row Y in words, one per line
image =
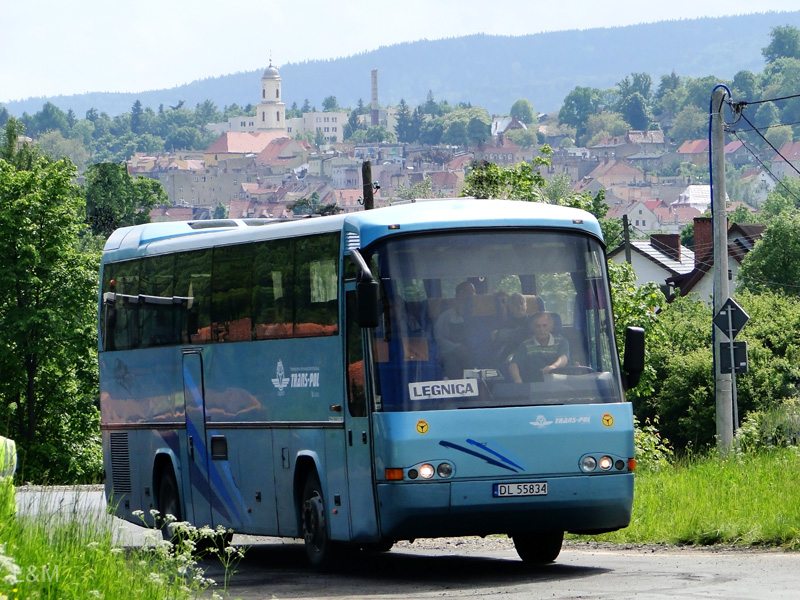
column 627, row 231
column 724, row 387
column 366, row 185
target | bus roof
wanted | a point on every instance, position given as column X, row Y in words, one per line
column 369, row 226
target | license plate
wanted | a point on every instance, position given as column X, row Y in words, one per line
column 512, row 490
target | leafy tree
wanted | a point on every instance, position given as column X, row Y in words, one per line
column 456, row 134
column 579, row 104
column 774, row 262
column 637, row 83
column 48, row 288
column 56, row 146
column 114, row 199
column 219, row 212
column 745, row 85
column 330, row 104
column 691, row 123
column 605, row 124
column 50, row 118
column 785, row 44
column 421, row 189
column 313, row 206
column 479, row 131
column 522, row 110
column 525, row 138
column 635, row 111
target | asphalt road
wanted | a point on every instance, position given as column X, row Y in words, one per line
column 475, row 568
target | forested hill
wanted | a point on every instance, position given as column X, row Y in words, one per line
column 487, row 71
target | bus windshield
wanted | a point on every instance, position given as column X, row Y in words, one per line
column 517, row 317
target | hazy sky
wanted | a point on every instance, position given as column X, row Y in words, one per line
column 62, row 47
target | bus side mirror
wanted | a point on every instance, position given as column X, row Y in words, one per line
column 633, row 363
column 367, row 302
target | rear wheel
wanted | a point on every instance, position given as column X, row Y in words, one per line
column 318, row 545
column 169, row 503
column 538, row 548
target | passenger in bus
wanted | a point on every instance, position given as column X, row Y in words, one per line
column 515, row 329
column 541, row 354
column 452, row 334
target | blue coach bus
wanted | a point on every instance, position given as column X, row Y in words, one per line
column 291, row 377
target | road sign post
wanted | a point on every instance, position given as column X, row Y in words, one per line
column 732, row 355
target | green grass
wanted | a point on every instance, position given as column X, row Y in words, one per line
column 74, row 556
column 751, row 499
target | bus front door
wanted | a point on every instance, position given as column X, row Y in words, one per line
column 360, row 480
column 198, row 505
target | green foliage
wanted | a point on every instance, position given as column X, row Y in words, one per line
column 785, row 44
column 636, row 306
column 422, row 189
column 522, row 110
column 774, row 262
column 653, row 452
column 48, row 290
column 114, row 199
column 770, row 428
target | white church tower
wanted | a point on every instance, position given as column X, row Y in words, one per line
column 271, row 112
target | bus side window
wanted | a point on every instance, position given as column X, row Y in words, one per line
column 232, row 293
column 356, row 392
column 272, row 289
column 193, row 280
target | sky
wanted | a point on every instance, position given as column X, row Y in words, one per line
column 65, row 48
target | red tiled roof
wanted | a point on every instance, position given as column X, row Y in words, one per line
column 242, row 142
column 790, row 151
column 693, row 147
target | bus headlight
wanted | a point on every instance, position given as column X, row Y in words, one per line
column 588, row 464
column 606, row 462
column 426, row 471
column 444, row 470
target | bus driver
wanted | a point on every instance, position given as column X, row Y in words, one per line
column 541, row 354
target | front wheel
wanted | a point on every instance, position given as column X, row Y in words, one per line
column 318, row 545
column 538, row 548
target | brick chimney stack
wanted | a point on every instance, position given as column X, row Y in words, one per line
column 668, row 243
column 703, row 239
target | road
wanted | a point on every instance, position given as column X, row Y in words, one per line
column 475, row 568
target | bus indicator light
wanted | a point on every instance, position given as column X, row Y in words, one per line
column 394, row 474
column 631, row 464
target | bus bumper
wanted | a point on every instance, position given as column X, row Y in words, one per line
column 587, row 504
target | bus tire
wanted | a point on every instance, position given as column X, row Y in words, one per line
column 318, row 545
column 538, row 548
column 169, row 502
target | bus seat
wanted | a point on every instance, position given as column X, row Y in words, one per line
column 534, row 303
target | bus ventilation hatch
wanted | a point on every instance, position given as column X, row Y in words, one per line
column 120, row 463
column 353, row 240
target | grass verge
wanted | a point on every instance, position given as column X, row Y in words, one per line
column 750, row 499
column 72, row 554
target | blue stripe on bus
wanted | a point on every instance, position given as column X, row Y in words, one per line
column 488, row 459
column 497, row 454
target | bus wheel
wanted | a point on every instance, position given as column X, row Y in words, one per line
column 168, row 502
column 538, row 548
column 319, row 547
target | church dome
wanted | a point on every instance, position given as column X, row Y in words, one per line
column 271, row 73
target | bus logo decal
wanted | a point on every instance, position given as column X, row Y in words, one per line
column 422, row 426
column 541, row 422
column 281, row 381
column 492, row 461
column 451, row 388
column 608, row 420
